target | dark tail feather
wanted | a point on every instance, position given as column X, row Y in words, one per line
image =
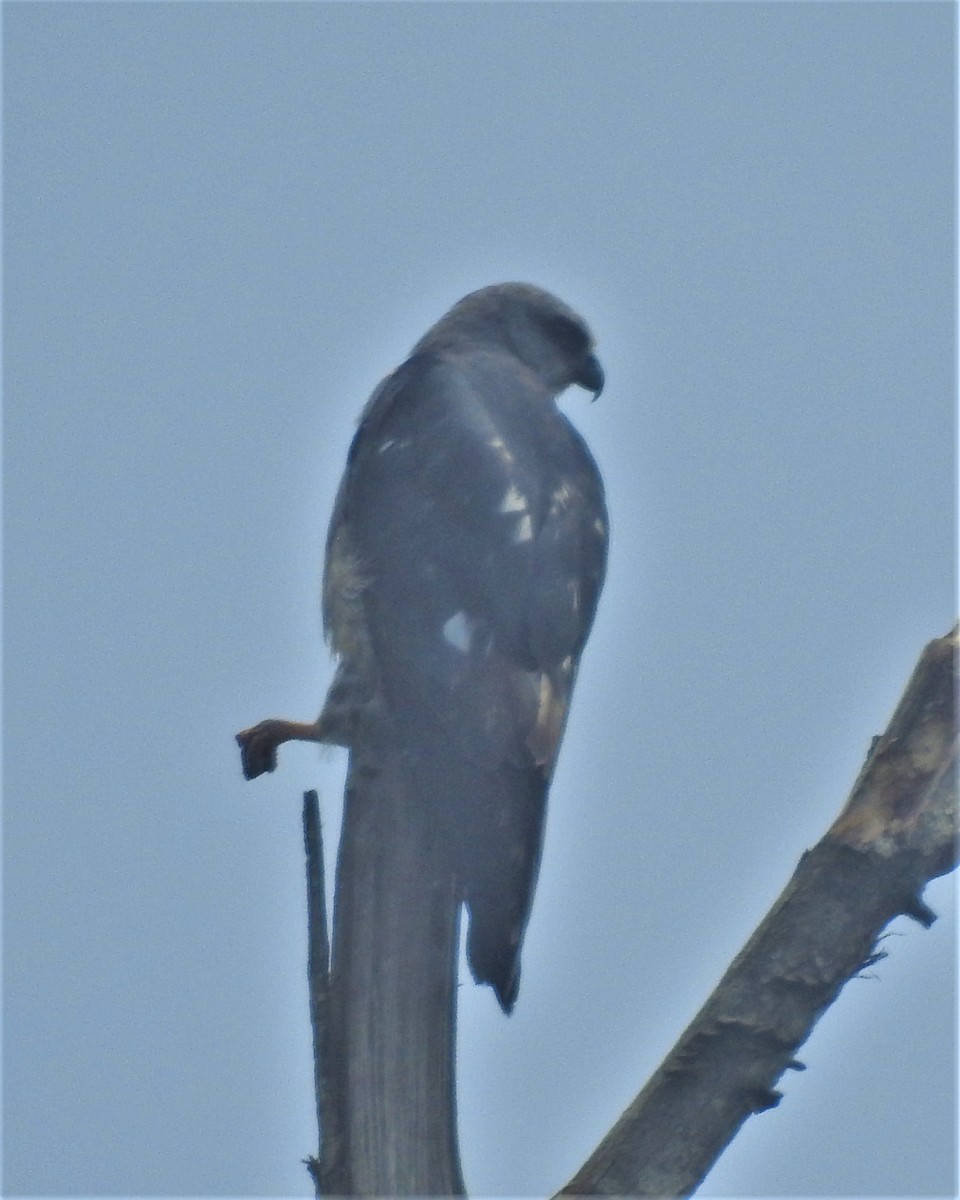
column 491, row 961
column 501, row 860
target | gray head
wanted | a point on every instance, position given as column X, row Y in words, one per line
column 540, row 330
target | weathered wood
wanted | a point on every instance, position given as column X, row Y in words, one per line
column 392, row 1011
column 896, row 833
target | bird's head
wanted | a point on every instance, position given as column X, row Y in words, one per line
column 539, row 329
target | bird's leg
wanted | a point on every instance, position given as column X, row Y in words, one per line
column 258, row 744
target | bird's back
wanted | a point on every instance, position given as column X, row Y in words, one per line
column 471, row 528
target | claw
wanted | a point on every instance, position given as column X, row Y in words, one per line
column 258, row 749
column 258, row 744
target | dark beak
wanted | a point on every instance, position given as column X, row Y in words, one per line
column 591, row 376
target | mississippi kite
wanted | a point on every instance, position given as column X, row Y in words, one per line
column 464, row 561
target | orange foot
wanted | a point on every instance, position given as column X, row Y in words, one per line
column 258, row 744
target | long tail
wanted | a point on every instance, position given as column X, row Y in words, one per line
column 499, row 865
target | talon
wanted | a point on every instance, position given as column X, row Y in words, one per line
column 258, row 750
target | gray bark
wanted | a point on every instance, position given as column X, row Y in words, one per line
column 897, row 831
column 388, row 1094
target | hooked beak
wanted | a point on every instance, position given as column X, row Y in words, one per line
column 591, row 375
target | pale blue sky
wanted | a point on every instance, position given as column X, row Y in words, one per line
column 223, row 224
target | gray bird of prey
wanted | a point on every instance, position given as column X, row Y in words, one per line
column 464, row 560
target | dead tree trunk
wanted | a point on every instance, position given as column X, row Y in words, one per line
column 387, row 1099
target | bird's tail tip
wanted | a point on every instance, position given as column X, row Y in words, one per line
column 496, row 965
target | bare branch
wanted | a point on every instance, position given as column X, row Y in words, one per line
column 897, row 831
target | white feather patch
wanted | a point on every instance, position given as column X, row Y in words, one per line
column 524, row 530
column 513, row 501
column 498, row 444
column 457, row 631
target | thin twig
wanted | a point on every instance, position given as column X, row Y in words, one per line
column 318, row 969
